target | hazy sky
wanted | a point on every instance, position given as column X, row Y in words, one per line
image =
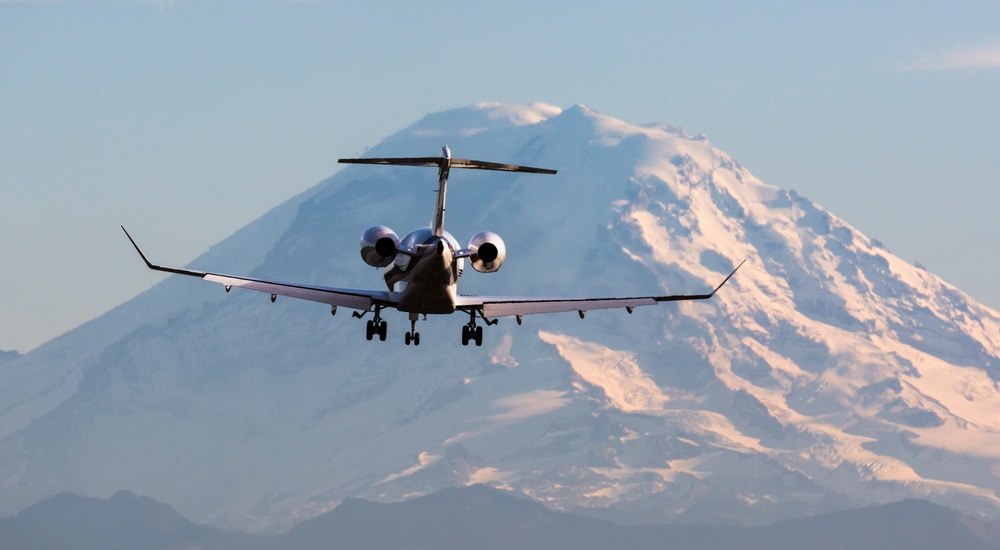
column 185, row 120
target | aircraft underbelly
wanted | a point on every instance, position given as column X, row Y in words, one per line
column 427, row 280
column 430, row 298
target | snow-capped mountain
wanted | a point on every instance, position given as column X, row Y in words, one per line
column 827, row 374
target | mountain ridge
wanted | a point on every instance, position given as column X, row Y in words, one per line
column 476, row 516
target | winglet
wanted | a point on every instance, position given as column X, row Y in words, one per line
column 155, row 267
column 727, row 278
column 137, row 249
column 682, row 297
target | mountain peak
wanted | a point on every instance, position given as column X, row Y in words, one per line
column 519, row 115
column 468, row 121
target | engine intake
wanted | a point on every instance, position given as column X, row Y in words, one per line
column 488, row 252
column 378, row 246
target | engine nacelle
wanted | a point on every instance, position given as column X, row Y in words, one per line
column 488, row 252
column 378, row 246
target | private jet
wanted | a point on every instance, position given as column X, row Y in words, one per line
column 422, row 270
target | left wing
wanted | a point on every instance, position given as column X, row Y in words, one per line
column 504, row 306
column 346, row 297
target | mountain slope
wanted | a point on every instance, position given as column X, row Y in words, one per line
column 827, row 374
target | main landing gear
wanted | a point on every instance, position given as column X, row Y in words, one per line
column 471, row 331
column 376, row 326
column 474, row 333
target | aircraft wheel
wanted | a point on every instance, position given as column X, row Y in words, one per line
column 370, row 330
column 416, row 338
column 479, row 336
column 382, row 331
column 465, row 336
column 407, row 338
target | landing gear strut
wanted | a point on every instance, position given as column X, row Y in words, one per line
column 413, row 336
column 376, row 326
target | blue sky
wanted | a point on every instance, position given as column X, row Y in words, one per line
column 185, row 120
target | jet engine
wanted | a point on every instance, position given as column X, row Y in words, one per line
column 378, row 246
column 488, row 252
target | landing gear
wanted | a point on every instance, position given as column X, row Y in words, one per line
column 471, row 331
column 472, row 334
column 412, row 336
column 379, row 328
column 376, row 326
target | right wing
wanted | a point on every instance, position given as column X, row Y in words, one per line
column 347, row 297
column 504, row 306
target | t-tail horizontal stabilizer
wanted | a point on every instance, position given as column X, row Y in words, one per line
column 446, row 160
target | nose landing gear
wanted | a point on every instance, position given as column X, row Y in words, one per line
column 412, row 336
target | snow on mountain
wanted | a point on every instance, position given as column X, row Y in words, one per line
column 827, row 374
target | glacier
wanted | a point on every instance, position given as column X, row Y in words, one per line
column 828, row 374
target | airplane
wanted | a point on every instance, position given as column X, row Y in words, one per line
column 422, row 270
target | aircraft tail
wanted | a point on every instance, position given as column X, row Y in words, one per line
column 444, row 164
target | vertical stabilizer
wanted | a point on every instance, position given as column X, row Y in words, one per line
column 437, row 225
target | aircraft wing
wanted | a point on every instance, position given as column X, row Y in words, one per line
column 504, row 306
column 346, row 297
